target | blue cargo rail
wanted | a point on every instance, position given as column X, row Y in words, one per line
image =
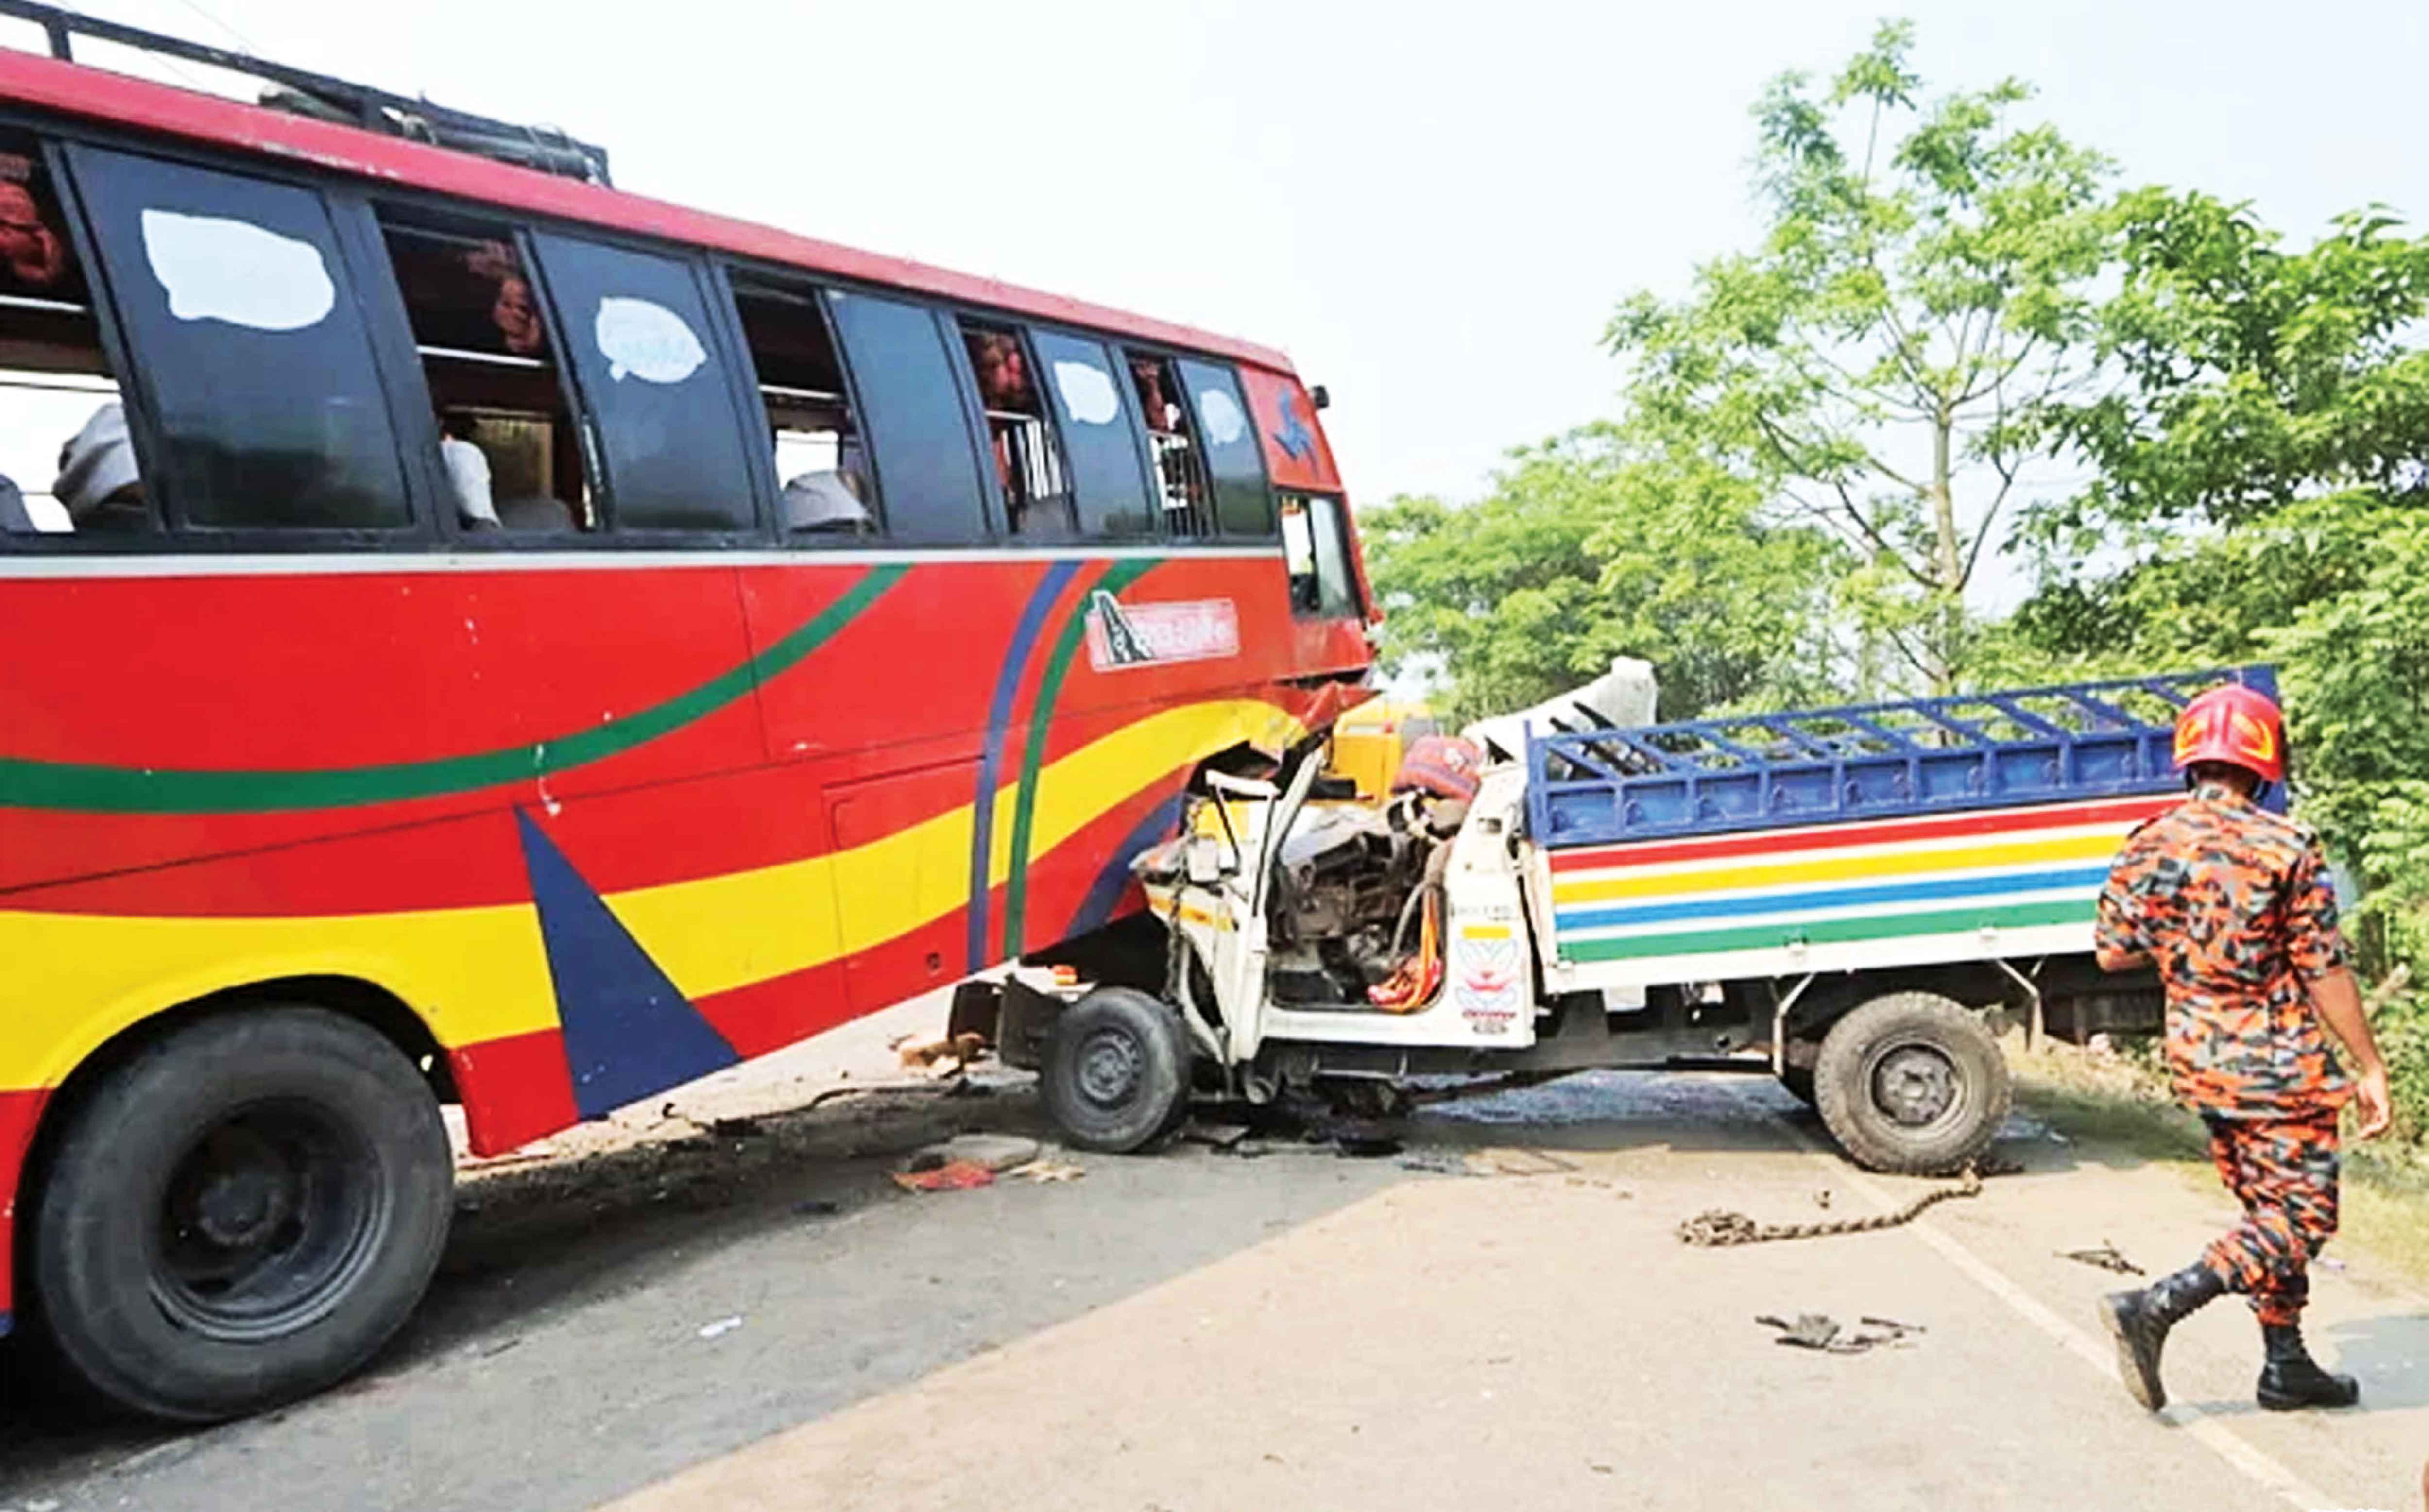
column 1757, row 771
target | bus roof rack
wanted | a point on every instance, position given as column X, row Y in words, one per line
column 301, row 92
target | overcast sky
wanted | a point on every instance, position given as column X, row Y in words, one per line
column 1431, row 206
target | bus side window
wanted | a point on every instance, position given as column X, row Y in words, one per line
column 255, row 363
column 1316, row 549
column 1028, row 465
column 919, row 427
column 656, row 391
column 1108, row 471
column 510, row 457
column 67, row 463
column 1243, row 505
column 1172, row 439
column 821, row 462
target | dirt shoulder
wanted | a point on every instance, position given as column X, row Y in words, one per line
column 2119, row 1098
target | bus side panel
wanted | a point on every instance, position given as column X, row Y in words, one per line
column 20, row 1111
column 229, row 710
column 515, row 914
column 915, row 901
column 921, row 663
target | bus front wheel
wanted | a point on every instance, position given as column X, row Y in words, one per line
column 241, row 1214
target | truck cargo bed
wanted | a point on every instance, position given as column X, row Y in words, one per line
column 1892, row 834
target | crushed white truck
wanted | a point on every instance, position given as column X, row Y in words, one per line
column 1847, row 899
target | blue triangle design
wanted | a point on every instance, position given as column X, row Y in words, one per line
column 628, row 1030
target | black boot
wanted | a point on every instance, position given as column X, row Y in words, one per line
column 2140, row 1321
column 2292, row 1379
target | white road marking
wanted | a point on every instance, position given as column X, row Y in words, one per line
column 2099, row 1352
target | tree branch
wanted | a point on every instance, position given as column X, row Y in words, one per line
column 1990, row 516
column 1898, row 643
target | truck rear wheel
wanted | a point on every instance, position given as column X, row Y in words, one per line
column 241, row 1214
column 1116, row 1071
column 1911, row 1083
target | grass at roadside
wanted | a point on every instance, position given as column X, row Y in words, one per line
column 2121, row 1101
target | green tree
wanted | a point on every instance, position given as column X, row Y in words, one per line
column 1584, row 550
column 1923, row 281
column 2241, row 378
column 2259, row 459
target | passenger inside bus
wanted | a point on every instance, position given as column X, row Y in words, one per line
column 508, row 447
column 1180, row 469
column 60, row 415
column 818, row 456
column 468, row 470
column 1035, row 501
column 100, row 485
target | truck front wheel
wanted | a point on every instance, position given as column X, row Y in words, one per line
column 1116, row 1071
column 1911, row 1083
column 242, row 1213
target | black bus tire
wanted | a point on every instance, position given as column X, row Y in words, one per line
column 1116, row 1071
column 1912, row 1083
column 240, row 1215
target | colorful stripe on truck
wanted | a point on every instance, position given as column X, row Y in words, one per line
column 1844, row 885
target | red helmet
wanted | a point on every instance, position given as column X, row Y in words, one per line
column 2236, row 725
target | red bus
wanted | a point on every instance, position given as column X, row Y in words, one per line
column 485, row 637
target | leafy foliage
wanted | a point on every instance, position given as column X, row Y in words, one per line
column 1866, row 365
column 2259, row 462
column 2246, row 377
column 1584, row 550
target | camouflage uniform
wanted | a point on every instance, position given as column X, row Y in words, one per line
column 2234, row 906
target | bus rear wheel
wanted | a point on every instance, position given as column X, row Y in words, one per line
column 1115, row 1076
column 1911, row 1083
column 241, row 1214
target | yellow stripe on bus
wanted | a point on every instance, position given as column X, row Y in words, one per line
column 1837, row 868
column 477, row 974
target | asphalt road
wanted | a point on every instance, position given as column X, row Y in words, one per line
column 1498, row 1316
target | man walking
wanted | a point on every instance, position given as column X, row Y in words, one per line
column 2234, row 907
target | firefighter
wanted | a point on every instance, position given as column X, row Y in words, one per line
column 2234, row 907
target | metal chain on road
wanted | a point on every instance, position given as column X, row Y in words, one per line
column 1718, row 1227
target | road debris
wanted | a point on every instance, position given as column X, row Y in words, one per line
column 1044, row 1170
column 817, row 1207
column 945, row 1057
column 1717, row 1228
column 1518, row 1163
column 1820, row 1331
column 997, row 1152
column 2105, row 1258
column 949, row 1175
column 1366, row 1145
column 723, row 1326
column 1216, row 1136
column 1822, row 1199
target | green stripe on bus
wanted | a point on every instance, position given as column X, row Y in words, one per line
column 1041, row 716
column 39, row 785
column 1829, row 932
